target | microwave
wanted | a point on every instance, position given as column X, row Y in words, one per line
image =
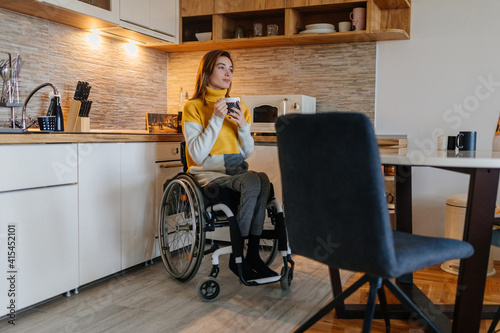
column 265, row 109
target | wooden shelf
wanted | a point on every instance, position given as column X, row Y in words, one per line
column 391, row 34
column 275, row 41
column 335, row 37
column 392, row 4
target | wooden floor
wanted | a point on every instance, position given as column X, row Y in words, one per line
column 149, row 300
column 439, row 286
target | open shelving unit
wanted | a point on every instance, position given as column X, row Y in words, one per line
column 385, row 20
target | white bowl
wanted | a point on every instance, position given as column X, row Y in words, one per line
column 202, row 36
column 320, row 26
column 317, row 31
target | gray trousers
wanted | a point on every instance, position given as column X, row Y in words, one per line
column 254, row 188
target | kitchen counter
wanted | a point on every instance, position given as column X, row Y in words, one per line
column 388, row 143
column 37, row 137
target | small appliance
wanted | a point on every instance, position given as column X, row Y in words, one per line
column 265, row 109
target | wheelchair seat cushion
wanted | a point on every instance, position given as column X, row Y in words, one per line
column 214, row 194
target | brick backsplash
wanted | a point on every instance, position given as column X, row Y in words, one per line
column 126, row 86
column 340, row 76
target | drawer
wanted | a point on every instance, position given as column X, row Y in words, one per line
column 37, row 165
column 166, row 151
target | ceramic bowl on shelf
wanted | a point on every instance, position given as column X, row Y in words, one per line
column 325, row 26
column 318, row 28
column 203, row 36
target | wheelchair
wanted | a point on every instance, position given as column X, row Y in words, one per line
column 186, row 214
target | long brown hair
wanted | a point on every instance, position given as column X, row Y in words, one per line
column 205, row 69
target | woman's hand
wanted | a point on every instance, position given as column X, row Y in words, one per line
column 220, row 108
column 237, row 116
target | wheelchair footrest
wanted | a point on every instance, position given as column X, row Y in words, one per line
column 266, row 280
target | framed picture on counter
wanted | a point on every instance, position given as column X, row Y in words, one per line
column 161, row 123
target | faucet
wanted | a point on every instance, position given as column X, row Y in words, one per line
column 56, row 93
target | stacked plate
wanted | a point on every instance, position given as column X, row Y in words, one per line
column 319, row 28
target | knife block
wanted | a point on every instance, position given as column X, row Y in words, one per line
column 82, row 124
column 75, row 123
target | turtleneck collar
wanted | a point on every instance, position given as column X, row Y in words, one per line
column 212, row 95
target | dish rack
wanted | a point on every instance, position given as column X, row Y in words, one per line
column 9, row 71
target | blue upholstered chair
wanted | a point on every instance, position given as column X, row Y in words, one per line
column 333, row 191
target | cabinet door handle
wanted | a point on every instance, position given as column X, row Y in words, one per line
column 166, row 166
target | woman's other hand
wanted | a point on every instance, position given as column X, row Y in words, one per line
column 220, row 108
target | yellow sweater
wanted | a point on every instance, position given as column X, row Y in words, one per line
column 215, row 147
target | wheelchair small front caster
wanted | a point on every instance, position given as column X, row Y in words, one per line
column 209, row 289
column 287, row 282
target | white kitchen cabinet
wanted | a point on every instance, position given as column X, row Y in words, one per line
column 99, row 191
column 56, row 164
column 156, row 18
column 46, row 243
column 168, row 164
column 107, row 10
column 38, row 198
column 138, row 228
column 136, row 12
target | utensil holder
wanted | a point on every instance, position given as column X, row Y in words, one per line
column 47, row 123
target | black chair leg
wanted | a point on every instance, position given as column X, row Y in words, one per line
column 385, row 310
column 401, row 296
column 375, row 284
column 495, row 321
column 332, row 304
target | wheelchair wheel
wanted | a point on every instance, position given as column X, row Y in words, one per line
column 181, row 228
column 286, row 283
column 209, row 289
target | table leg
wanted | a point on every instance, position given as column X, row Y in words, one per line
column 477, row 231
column 403, row 209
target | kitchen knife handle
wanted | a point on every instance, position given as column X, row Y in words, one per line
column 88, row 108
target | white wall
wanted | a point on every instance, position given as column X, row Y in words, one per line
column 433, row 84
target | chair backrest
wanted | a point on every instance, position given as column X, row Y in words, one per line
column 334, row 191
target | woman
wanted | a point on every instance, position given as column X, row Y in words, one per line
column 218, row 142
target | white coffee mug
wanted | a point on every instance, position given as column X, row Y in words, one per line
column 344, row 26
column 232, row 103
column 442, row 142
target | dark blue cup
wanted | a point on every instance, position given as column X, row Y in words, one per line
column 466, row 140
